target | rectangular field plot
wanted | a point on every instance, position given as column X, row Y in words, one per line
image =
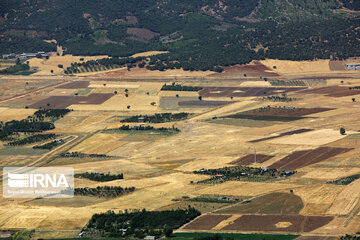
column 198, row 103
column 75, row 85
column 282, row 134
column 206, row 222
column 278, row 223
column 333, row 91
column 304, row 158
column 249, row 159
column 244, row 91
column 60, row 102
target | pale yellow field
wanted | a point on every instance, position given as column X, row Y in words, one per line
column 8, row 114
column 314, row 138
column 346, row 200
column 329, row 174
column 100, row 143
column 46, row 65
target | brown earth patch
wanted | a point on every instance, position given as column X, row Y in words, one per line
column 249, row 159
column 244, row 91
column 60, row 102
column 253, row 69
column 302, row 130
column 337, row 66
column 333, row 91
column 206, row 222
column 273, row 203
column 75, row 85
column 296, row 223
column 141, row 34
column 285, row 112
column 304, row 158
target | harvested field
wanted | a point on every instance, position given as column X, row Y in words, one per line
column 249, row 159
column 60, row 102
column 273, row 203
column 278, row 223
column 206, row 222
column 244, row 91
column 333, row 91
column 242, row 122
column 304, row 158
column 172, row 103
column 203, row 103
column 314, row 138
column 302, row 130
column 75, row 85
column 337, row 66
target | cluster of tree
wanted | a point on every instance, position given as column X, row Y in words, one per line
column 19, row 44
column 178, row 87
column 25, row 125
column 33, row 123
column 345, row 180
column 51, row 113
column 15, row 69
column 82, row 155
column 32, row 139
column 210, row 36
column 279, row 98
column 104, row 191
column 350, row 237
column 351, row 4
column 158, row 117
column 239, row 173
column 147, row 128
column 102, row 64
column 49, row 145
column 139, row 223
column 100, row 177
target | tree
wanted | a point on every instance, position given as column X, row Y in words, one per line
column 200, row 98
column 60, row 66
column 18, row 61
column 126, row 95
column 168, row 231
column 128, row 107
column 115, row 92
column 342, row 131
column 52, row 71
column 353, row 99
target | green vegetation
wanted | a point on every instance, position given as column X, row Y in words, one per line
column 219, row 199
column 235, row 236
column 140, row 223
column 35, row 123
column 350, row 237
column 192, row 31
column 178, row 87
column 82, row 155
column 345, row 180
column 102, row 64
column 241, row 173
column 158, row 117
column 32, row 139
column 104, row 191
column 50, row 145
column 100, row 177
column 15, row 69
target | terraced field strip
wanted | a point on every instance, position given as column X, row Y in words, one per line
column 245, row 91
column 282, row 134
column 304, row 158
column 333, row 91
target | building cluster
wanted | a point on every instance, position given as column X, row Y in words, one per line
column 24, row 56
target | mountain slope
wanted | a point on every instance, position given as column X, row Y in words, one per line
column 199, row 34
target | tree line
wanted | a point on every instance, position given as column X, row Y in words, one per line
column 104, row 191
column 158, row 117
column 100, row 177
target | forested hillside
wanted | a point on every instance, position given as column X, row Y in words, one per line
column 199, row 34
